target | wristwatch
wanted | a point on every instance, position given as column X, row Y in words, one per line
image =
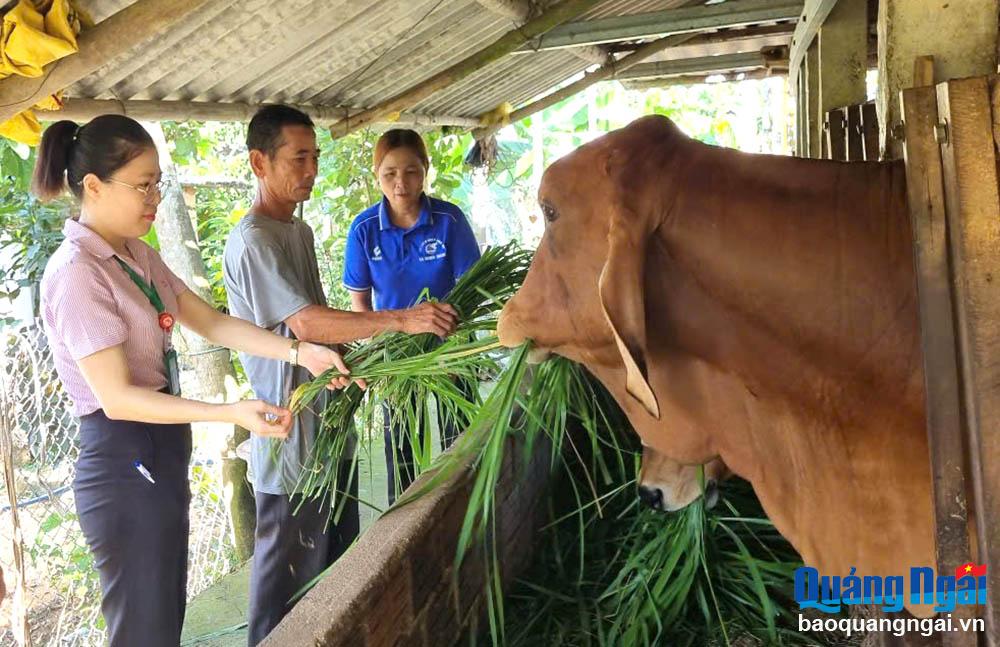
column 293, row 353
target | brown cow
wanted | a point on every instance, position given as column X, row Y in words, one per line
column 756, row 308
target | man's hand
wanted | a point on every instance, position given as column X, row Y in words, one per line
column 436, row 318
column 317, row 359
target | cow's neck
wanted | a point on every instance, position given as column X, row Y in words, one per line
column 790, row 341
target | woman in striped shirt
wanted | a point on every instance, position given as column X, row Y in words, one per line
column 109, row 304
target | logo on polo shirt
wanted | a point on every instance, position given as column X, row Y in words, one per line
column 432, row 249
column 377, row 253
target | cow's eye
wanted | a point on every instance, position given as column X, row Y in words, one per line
column 549, row 212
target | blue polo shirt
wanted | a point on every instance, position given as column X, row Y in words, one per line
column 397, row 264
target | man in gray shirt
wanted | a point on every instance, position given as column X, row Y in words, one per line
column 272, row 279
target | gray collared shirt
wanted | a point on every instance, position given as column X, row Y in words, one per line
column 271, row 273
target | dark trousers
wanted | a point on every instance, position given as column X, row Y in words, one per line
column 400, row 465
column 137, row 531
column 292, row 546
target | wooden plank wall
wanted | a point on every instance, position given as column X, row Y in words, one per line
column 851, row 133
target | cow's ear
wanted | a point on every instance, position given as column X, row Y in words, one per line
column 622, row 290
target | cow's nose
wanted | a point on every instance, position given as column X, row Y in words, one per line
column 711, row 494
column 651, row 496
column 508, row 332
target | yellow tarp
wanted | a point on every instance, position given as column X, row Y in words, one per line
column 498, row 116
column 29, row 41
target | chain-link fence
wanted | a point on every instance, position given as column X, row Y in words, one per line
column 61, row 592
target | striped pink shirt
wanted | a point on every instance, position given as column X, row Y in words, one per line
column 89, row 303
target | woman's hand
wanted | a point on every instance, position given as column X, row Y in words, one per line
column 260, row 418
column 318, row 359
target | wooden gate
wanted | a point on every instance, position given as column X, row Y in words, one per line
column 950, row 136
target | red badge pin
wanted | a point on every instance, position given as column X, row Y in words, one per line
column 166, row 321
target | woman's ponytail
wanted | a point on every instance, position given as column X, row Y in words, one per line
column 49, row 178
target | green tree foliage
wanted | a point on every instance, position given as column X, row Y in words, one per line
column 345, row 186
column 30, row 231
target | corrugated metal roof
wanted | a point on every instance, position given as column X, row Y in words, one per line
column 351, row 53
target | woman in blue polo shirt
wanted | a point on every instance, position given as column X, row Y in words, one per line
column 398, row 247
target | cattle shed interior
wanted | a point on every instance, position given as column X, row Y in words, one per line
column 478, row 65
column 426, row 63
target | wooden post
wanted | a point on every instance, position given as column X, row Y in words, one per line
column 961, row 35
column 995, row 96
column 801, row 113
column 116, row 36
column 19, row 603
column 811, row 17
column 870, row 131
column 843, row 55
column 836, row 131
column 496, row 50
column 814, row 121
column 855, row 138
column 972, row 199
column 925, row 193
column 923, row 71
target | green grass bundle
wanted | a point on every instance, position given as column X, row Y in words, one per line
column 613, row 572
column 638, row 577
column 404, row 370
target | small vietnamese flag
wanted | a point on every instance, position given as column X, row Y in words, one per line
column 970, row 569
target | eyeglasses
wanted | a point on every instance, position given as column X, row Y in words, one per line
column 151, row 192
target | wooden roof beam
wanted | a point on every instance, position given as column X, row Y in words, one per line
column 86, row 109
column 555, row 15
column 750, row 45
column 521, row 11
column 708, row 65
column 133, row 26
column 734, row 35
column 672, row 21
column 612, row 69
column 695, row 79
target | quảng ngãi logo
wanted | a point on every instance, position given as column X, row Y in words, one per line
column 830, row 593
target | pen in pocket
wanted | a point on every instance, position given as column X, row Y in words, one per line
column 145, row 472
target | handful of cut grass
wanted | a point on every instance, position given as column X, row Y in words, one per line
column 402, row 371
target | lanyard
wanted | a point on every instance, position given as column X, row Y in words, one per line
column 165, row 320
